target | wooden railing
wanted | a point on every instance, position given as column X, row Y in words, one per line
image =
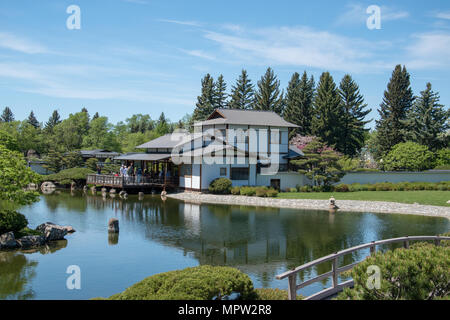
column 120, row 182
column 335, row 270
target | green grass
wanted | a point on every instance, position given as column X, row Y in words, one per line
column 436, row 198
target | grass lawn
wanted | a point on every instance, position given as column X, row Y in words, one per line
column 436, row 198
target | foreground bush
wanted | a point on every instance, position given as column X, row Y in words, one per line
column 273, row 294
column 66, row 177
column 220, row 186
column 198, row 283
column 12, row 221
column 418, row 273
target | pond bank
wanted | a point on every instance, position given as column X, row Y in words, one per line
column 344, row 205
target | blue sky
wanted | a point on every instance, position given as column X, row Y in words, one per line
column 147, row 56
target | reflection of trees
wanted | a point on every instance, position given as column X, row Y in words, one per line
column 64, row 200
column 16, row 271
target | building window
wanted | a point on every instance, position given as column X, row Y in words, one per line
column 186, row 170
column 223, row 171
column 239, row 173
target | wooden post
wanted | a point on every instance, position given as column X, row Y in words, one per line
column 292, row 291
column 165, row 175
column 335, row 274
column 406, row 243
column 437, row 241
column 372, row 249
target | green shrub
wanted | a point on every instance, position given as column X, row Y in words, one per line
column 236, row 191
column 292, row 190
column 66, row 177
column 220, row 186
column 198, row 283
column 272, row 193
column 409, row 156
column 443, row 158
column 273, row 294
column 418, row 273
column 261, row 192
column 342, row 188
column 248, row 191
column 12, row 221
column 92, row 163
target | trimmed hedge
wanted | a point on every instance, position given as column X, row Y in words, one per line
column 198, row 283
column 66, row 177
column 418, row 273
column 383, row 186
column 220, row 186
column 263, row 192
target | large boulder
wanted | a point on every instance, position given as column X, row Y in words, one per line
column 113, row 225
column 8, row 241
column 31, row 241
column 52, row 231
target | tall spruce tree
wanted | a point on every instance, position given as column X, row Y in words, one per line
column 268, row 96
column 242, row 94
column 7, row 115
column 205, row 102
column 397, row 102
column 299, row 103
column 96, row 116
column 354, row 114
column 54, row 120
column 32, row 120
column 428, row 120
column 220, row 94
column 327, row 120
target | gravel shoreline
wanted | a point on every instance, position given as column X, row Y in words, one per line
column 344, row 205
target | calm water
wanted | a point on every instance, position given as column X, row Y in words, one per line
column 157, row 236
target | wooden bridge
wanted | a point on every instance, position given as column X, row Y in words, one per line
column 130, row 182
column 335, row 270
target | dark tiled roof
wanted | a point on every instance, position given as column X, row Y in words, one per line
column 246, row 117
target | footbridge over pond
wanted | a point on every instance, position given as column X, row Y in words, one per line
column 336, row 270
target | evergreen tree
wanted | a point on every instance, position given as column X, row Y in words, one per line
column 428, row 120
column 96, row 116
column 354, row 113
column 220, row 95
column 7, row 115
column 268, row 97
column 397, row 102
column 299, row 104
column 32, row 120
column 327, row 120
column 54, row 120
column 205, row 102
column 242, row 94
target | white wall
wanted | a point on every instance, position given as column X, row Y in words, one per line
column 287, row 179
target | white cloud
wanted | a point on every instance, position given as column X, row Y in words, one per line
column 199, row 54
column 429, row 50
column 443, row 15
column 299, row 46
column 184, row 23
column 13, row 42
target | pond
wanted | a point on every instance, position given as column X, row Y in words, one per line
column 158, row 236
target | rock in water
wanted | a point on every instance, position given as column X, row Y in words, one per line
column 113, row 225
column 31, row 241
column 8, row 241
column 52, row 231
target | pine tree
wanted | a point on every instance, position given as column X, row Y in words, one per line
column 327, row 120
column 54, row 120
column 354, row 113
column 7, row 115
column 397, row 102
column 205, row 102
column 32, row 120
column 428, row 120
column 242, row 94
column 220, row 95
column 96, row 116
column 299, row 103
column 268, row 97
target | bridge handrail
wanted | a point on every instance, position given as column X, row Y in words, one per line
column 291, row 274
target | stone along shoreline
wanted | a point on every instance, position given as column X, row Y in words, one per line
column 344, row 205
